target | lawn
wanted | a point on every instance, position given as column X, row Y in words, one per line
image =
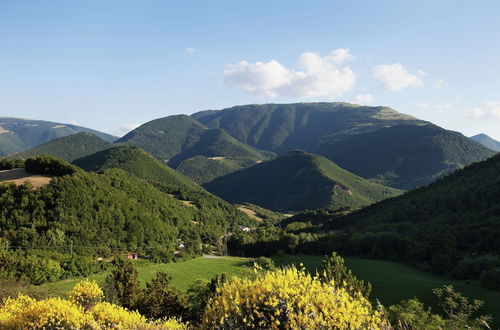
column 183, row 273
column 393, row 282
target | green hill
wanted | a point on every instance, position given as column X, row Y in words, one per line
column 374, row 142
column 68, row 147
column 297, row 181
column 442, row 227
column 199, row 153
column 18, row 135
column 487, row 141
column 208, row 208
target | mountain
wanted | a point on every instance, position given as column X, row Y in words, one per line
column 18, row 134
column 200, row 153
column 68, row 147
column 374, row 142
column 298, row 180
column 487, row 141
column 214, row 212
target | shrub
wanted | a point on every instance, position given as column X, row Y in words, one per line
column 287, row 298
column 471, row 268
column 265, row 263
column 86, row 294
column 411, row 314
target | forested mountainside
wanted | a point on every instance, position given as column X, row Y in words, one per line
column 298, row 181
column 18, row 134
column 68, row 147
column 373, row 142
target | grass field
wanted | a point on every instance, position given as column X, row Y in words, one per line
column 183, row 273
column 392, row 282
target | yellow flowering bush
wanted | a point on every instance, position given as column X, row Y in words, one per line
column 52, row 313
column 24, row 312
column 86, row 294
column 288, row 299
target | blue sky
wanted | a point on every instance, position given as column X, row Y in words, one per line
column 110, row 65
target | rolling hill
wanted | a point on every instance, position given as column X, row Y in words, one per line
column 374, row 142
column 200, row 153
column 297, row 181
column 142, row 165
column 68, row 147
column 18, row 134
column 487, row 141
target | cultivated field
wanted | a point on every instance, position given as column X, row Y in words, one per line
column 19, row 176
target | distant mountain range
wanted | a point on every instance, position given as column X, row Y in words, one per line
column 298, row 181
column 373, row 142
column 17, row 135
column 487, row 141
column 376, row 143
column 68, row 147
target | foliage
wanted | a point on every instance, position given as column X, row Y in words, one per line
column 411, row 314
column 69, row 147
column 24, row 312
column 264, row 263
column 161, row 299
column 122, row 284
column 334, row 270
column 9, row 163
column 287, row 298
column 86, row 294
column 48, row 165
column 460, row 310
column 299, row 181
column 471, row 268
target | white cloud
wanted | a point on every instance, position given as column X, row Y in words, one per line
column 72, row 121
column 395, row 77
column 317, row 76
column 492, row 111
column 190, row 50
column 363, row 99
column 439, row 84
column 421, row 73
column 125, row 128
column 477, row 113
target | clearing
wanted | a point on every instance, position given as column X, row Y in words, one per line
column 18, row 176
column 251, row 213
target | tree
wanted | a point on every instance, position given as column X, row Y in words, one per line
column 460, row 309
column 122, row 284
column 161, row 299
column 333, row 269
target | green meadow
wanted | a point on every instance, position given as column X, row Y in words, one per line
column 392, row 282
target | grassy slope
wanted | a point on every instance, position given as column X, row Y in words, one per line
column 298, row 181
column 69, row 147
column 183, row 273
column 393, row 282
column 360, row 139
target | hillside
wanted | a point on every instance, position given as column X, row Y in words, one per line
column 142, row 165
column 487, row 141
column 437, row 227
column 18, row 135
column 297, row 181
column 68, row 147
column 109, row 209
column 350, row 135
column 199, row 153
